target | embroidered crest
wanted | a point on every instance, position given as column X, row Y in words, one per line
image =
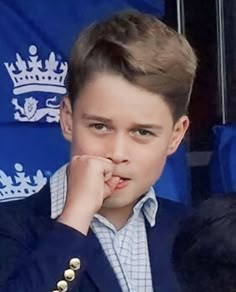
column 20, row 185
column 36, row 75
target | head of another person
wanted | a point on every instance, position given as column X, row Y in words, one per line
column 204, row 252
column 129, row 82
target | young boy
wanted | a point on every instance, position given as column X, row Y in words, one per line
column 98, row 226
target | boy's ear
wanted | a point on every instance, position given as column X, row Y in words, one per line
column 66, row 118
column 179, row 131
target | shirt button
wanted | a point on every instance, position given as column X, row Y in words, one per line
column 75, row 264
column 69, row 275
column 62, row 286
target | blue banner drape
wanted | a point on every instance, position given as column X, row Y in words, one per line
column 222, row 168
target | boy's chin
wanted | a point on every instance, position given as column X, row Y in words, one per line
column 114, row 202
column 118, row 202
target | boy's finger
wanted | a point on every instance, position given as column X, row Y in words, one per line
column 112, row 183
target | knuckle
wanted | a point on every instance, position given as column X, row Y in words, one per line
column 75, row 158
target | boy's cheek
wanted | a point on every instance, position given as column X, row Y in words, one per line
column 89, row 148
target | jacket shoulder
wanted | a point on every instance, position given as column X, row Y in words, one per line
column 172, row 213
column 166, row 205
column 38, row 204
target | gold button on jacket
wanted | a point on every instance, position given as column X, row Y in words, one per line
column 69, row 275
column 62, row 286
column 75, row 264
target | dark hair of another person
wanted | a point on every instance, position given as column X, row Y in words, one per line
column 204, row 252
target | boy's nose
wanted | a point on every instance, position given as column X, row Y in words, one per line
column 117, row 150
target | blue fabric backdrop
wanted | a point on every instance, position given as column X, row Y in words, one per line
column 223, row 160
column 35, row 40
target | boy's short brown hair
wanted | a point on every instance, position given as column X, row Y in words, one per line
column 140, row 48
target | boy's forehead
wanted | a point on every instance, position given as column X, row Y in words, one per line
column 113, row 97
column 112, row 87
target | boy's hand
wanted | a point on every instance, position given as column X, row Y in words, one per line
column 90, row 181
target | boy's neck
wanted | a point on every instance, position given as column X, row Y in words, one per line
column 118, row 217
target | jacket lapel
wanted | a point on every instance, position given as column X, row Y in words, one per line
column 99, row 268
column 160, row 239
column 153, row 236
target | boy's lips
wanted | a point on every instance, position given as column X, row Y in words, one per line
column 122, row 178
column 123, row 182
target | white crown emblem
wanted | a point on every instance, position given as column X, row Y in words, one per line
column 36, row 75
column 20, row 186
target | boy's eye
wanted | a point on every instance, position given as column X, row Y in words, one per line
column 99, row 126
column 143, row 132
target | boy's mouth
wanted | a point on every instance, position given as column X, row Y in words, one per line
column 121, row 178
column 123, row 182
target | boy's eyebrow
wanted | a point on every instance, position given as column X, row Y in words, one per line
column 156, row 127
column 149, row 126
column 96, row 118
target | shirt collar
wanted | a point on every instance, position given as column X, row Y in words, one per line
column 58, row 185
column 149, row 205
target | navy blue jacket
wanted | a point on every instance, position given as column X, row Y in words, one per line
column 35, row 250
